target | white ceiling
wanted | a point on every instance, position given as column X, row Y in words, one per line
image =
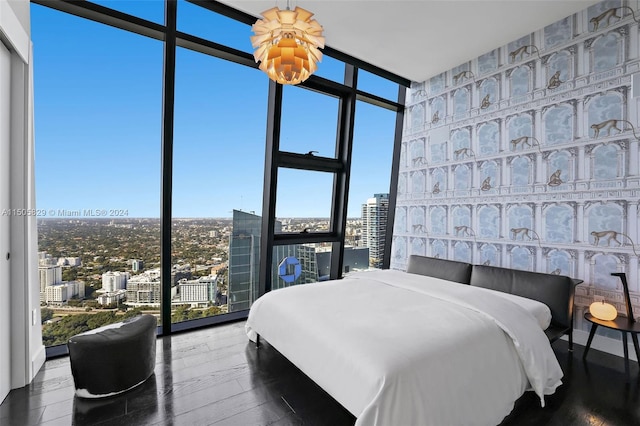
column 421, row 38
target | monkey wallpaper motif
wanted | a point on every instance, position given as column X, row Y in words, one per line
column 528, row 157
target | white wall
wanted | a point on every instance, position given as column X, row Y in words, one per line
column 27, row 350
column 5, row 138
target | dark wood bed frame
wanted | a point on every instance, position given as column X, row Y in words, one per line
column 555, row 291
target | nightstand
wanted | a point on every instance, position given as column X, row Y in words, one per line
column 621, row 324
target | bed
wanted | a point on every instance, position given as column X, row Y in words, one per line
column 403, row 348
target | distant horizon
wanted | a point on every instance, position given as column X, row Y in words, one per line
column 174, row 218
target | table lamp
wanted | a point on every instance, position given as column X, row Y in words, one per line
column 603, row 311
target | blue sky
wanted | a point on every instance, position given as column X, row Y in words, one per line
column 98, row 100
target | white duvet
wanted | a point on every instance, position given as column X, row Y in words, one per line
column 403, row 349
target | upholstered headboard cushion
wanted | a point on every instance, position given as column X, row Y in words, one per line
column 556, row 291
column 450, row 270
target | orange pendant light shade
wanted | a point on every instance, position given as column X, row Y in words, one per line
column 287, row 44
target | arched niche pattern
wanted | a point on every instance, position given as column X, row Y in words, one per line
column 606, row 52
column 558, row 124
column 418, row 157
column 490, row 87
column 602, row 265
column 400, row 223
column 461, row 216
column 488, row 62
column 519, row 126
column 560, row 167
column 593, row 12
column 607, row 162
column 437, row 83
column 438, row 220
column 558, row 223
column 558, row 32
column 520, row 216
column 417, row 91
column 403, row 155
column 438, row 181
column 462, row 176
column 418, row 246
column 460, row 138
column 521, row 258
column 489, row 176
column 515, row 54
column 417, row 182
column 601, row 111
column 439, row 249
column 521, row 172
column 460, row 74
column 399, row 248
column 417, row 220
column 606, row 220
column 438, row 151
column 461, row 101
column 462, row 252
column 489, row 222
column 417, row 117
column 488, row 138
column 560, row 66
column 438, row 109
column 520, row 81
column 559, row 262
column 489, row 255
column 402, row 183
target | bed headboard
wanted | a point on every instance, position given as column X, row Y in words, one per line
column 556, row 291
column 450, row 270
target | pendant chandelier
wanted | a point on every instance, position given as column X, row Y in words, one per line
column 287, row 44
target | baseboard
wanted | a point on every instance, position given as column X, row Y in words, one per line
column 38, row 361
column 604, row 344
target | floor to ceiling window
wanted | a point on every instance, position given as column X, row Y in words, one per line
column 171, row 190
column 369, row 187
column 218, row 165
column 97, row 118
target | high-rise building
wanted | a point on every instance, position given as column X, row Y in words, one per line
column 49, row 275
column 112, row 298
column 137, row 265
column 114, row 281
column 198, row 292
column 374, row 227
column 69, row 261
column 244, row 261
column 145, row 289
column 59, row 294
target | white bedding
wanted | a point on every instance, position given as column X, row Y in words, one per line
column 539, row 310
column 404, row 349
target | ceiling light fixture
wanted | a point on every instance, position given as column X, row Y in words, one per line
column 287, row 44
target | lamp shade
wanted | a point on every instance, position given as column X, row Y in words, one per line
column 603, row 311
column 287, row 44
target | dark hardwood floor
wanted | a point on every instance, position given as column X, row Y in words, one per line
column 215, row 376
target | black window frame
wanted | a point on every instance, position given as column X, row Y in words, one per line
column 348, row 94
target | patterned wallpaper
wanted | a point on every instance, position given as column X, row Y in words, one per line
column 527, row 157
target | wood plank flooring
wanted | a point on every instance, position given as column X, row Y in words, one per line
column 215, row 376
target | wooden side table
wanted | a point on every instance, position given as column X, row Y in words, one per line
column 621, row 324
